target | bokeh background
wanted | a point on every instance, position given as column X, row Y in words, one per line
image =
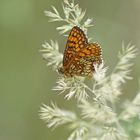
column 26, row 81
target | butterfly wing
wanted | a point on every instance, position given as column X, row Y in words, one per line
column 93, row 54
column 76, row 41
column 82, row 64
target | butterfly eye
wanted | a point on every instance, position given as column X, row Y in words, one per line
column 60, row 70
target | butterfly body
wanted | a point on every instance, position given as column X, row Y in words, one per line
column 79, row 55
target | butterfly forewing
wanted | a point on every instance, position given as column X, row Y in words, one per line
column 76, row 41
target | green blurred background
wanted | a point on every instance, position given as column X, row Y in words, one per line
column 26, row 82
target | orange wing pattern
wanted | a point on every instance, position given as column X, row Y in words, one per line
column 76, row 41
column 79, row 56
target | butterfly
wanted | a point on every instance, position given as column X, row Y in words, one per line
column 79, row 55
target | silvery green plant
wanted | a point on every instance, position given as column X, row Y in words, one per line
column 99, row 117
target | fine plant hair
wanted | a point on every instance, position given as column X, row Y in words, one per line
column 100, row 118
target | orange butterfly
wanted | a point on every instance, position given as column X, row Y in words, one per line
column 79, row 55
